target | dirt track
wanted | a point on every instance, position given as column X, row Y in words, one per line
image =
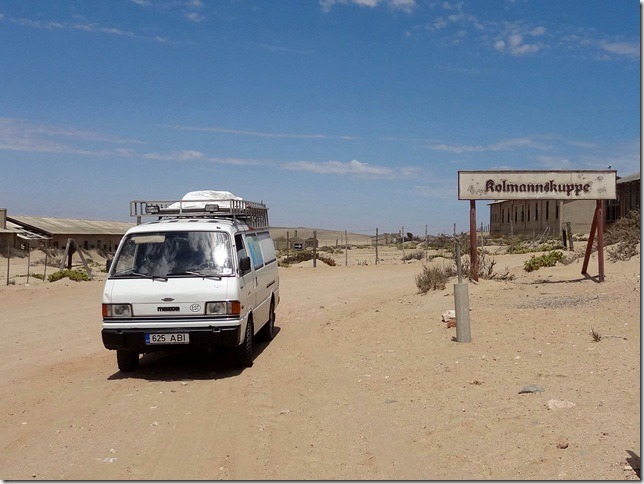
column 363, row 381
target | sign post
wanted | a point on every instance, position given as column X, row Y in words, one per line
column 596, row 185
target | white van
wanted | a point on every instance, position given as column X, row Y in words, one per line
column 202, row 274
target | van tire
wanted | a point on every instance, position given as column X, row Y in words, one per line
column 244, row 352
column 127, row 360
column 267, row 333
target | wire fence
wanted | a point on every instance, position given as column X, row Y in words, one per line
column 27, row 265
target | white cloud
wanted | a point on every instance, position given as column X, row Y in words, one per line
column 184, row 155
column 354, row 167
column 404, row 5
column 82, row 27
column 195, row 17
column 500, row 146
column 621, row 48
column 192, row 155
column 440, row 23
column 263, row 134
column 514, row 42
column 554, row 162
column 18, row 135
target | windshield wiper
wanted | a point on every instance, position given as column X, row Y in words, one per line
column 139, row 274
column 196, row 273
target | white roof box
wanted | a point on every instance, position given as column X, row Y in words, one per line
column 193, row 199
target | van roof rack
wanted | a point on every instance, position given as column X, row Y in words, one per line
column 253, row 213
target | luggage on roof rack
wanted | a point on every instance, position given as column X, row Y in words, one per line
column 204, row 204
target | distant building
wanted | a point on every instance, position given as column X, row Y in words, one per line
column 628, row 198
column 8, row 234
column 384, row 239
column 53, row 232
column 280, row 242
column 528, row 217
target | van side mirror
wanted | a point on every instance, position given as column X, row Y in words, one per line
column 108, row 264
column 244, row 264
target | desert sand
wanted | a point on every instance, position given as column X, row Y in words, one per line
column 363, row 381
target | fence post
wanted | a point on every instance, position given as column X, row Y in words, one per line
column 426, row 243
column 346, row 249
column 315, row 252
column 376, row 245
column 8, row 265
column 28, row 260
column 402, row 233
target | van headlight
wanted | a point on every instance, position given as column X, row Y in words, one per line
column 117, row 311
column 223, row 308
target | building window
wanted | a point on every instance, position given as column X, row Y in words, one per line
column 536, row 211
column 557, row 211
column 547, row 209
column 516, row 214
column 522, row 215
column 502, row 215
column 528, row 213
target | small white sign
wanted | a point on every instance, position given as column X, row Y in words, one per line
column 545, row 185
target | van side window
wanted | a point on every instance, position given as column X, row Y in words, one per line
column 239, row 247
column 268, row 249
column 255, row 251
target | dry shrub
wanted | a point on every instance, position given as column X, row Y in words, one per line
column 304, row 256
column 486, row 265
column 624, row 236
column 417, row 255
column 433, row 278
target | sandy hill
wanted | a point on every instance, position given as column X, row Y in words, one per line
column 325, row 237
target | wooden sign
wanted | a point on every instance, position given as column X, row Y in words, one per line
column 542, row 185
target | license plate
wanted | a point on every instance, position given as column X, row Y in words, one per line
column 167, row 338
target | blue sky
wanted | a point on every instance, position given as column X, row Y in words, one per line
column 339, row 114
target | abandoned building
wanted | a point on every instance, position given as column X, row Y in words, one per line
column 535, row 217
column 21, row 232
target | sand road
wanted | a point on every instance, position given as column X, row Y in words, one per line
column 362, row 381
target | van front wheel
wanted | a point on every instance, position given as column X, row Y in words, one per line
column 127, row 360
column 244, row 352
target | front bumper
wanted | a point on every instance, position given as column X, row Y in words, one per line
column 134, row 339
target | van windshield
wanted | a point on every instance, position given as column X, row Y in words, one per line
column 174, row 254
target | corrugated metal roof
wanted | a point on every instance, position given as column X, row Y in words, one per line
column 11, row 229
column 629, row 178
column 57, row 226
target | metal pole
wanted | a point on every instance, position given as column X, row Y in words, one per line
column 600, row 239
column 315, row 243
column 473, row 251
column 376, row 245
column 346, row 249
column 462, row 309
column 288, row 243
column 591, row 239
column 44, row 276
column 426, row 242
column 402, row 233
column 459, row 268
column 28, row 260
column 8, row 265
